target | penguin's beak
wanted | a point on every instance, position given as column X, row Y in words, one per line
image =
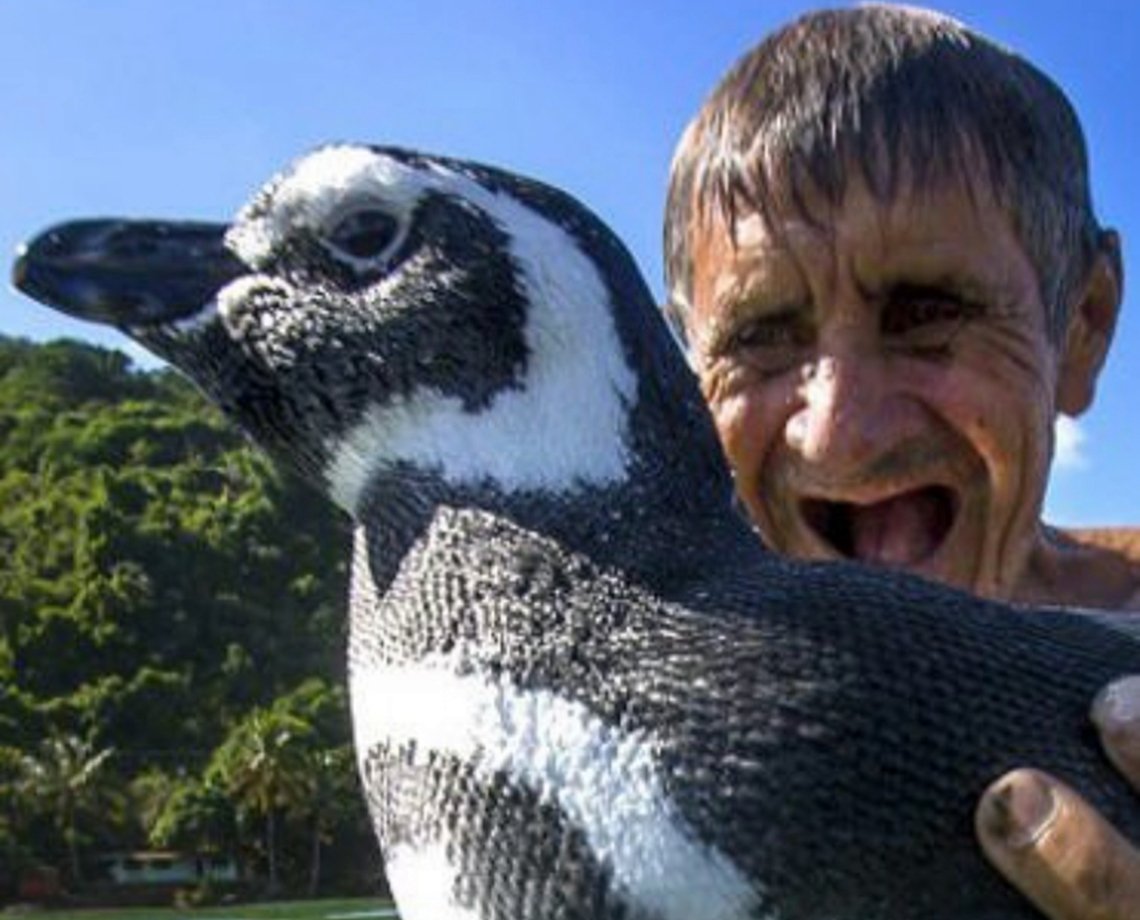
column 127, row 272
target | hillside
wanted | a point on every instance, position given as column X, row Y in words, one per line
column 171, row 631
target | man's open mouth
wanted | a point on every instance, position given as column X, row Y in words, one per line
column 904, row 530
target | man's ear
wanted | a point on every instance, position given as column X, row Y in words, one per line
column 1092, row 321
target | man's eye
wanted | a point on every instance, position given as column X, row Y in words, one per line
column 765, row 335
column 771, row 344
column 365, row 234
column 925, row 319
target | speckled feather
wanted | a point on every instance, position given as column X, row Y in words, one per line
column 580, row 686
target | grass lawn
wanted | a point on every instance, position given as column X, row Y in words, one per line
column 359, row 909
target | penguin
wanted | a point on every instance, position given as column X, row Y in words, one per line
column 581, row 688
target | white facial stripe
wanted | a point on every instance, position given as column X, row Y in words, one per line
column 323, row 185
column 568, row 424
column 604, row 780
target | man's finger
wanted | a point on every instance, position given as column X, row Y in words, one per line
column 1057, row 850
column 1116, row 713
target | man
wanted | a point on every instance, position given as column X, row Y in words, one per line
column 883, row 261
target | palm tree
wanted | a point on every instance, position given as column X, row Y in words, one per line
column 65, row 775
column 265, row 767
column 335, row 798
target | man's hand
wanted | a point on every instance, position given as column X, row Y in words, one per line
column 1052, row 844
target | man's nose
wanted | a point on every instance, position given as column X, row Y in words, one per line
column 849, row 411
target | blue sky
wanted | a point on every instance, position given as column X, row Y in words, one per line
column 182, row 108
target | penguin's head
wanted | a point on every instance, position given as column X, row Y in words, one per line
column 373, row 309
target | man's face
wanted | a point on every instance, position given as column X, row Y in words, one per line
column 881, row 380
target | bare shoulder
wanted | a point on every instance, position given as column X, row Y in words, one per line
column 1109, row 562
column 1122, row 540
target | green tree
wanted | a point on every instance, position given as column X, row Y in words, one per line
column 334, row 802
column 196, row 815
column 14, row 853
column 332, row 805
column 64, row 776
column 265, row 765
column 159, row 581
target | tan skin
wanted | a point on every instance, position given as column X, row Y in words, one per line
column 884, row 388
column 863, row 370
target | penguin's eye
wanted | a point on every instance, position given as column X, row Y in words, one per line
column 364, row 235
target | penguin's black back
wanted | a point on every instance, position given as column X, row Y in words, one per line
column 827, row 738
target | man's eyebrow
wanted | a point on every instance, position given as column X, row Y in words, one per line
column 962, row 279
column 751, row 293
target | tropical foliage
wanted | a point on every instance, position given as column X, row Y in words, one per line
column 171, row 631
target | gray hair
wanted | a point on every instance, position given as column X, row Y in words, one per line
column 899, row 94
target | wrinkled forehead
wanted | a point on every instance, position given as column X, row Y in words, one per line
column 325, row 186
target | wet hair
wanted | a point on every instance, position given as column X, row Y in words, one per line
column 907, row 97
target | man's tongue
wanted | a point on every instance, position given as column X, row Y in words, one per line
column 900, row 531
